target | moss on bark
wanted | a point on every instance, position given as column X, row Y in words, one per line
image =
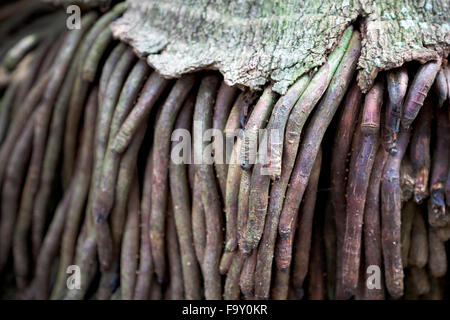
column 253, row 42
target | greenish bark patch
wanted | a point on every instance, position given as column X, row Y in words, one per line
column 252, row 42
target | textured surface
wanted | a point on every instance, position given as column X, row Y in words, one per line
column 399, row 31
column 253, row 41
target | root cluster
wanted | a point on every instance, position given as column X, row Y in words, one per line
column 344, row 195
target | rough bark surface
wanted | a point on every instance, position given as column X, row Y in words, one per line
column 254, row 41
